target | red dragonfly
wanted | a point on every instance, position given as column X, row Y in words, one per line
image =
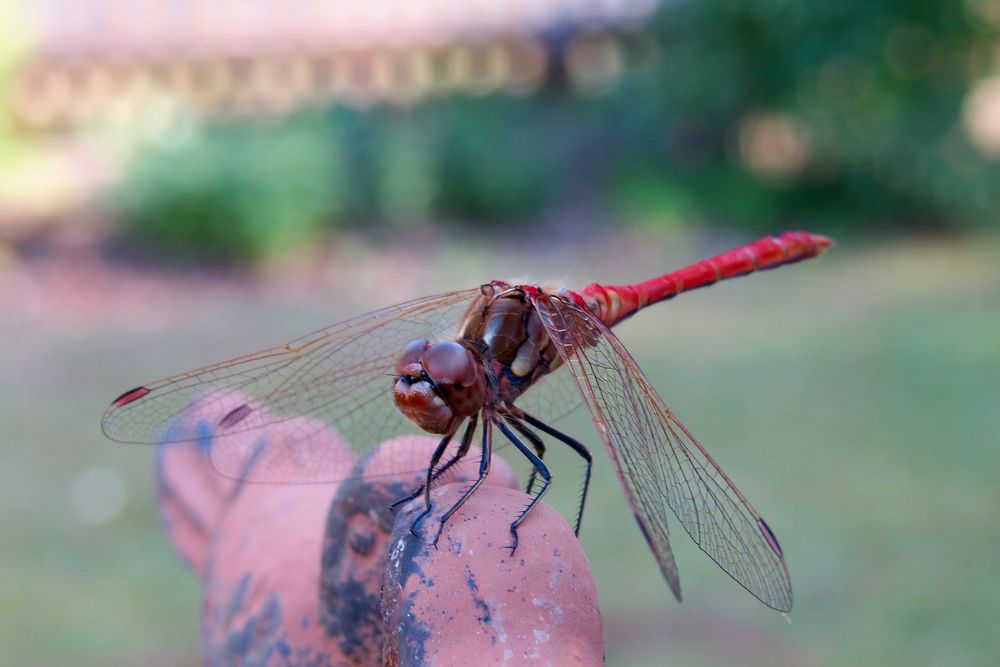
column 464, row 362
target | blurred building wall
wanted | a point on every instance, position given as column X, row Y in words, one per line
column 95, row 57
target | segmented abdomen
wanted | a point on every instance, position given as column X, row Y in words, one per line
column 615, row 303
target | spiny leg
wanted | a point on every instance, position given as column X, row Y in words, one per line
column 463, row 449
column 539, row 446
column 575, row 445
column 542, row 470
column 426, row 488
column 484, row 469
column 435, row 457
column 432, row 474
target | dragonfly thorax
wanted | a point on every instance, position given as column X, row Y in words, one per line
column 439, row 385
column 505, row 329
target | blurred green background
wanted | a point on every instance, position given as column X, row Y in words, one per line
column 163, row 209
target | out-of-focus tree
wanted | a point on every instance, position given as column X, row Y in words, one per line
column 235, row 192
column 851, row 111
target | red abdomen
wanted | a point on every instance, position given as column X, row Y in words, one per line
column 614, row 303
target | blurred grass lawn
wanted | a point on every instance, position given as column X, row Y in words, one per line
column 855, row 399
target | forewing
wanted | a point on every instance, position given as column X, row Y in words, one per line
column 659, row 462
column 340, row 376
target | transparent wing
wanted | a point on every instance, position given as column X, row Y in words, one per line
column 551, row 398
column 286, row 398
column 659, row 462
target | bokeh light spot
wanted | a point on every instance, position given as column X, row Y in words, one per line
column 774, row 145
column 981, row 116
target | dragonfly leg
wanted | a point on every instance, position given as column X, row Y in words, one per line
column 484, row 469
column 463, row 449
column 575, row 445
column 435, row 457
column 539, row 446
column 432, row 474
column 536, row 461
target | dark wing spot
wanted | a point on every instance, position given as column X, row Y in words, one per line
column 235, row 416
column 769, row 536
column 129, row 396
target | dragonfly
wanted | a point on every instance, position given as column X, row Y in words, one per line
column 505, row 357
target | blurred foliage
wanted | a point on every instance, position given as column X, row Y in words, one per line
column 756, row 114
column 496, row 160
column 878, row 88
column 234, row 192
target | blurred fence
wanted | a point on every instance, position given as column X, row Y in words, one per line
column 104, row 57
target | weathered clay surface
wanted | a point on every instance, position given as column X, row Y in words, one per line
column 293, row 574
column 469, row 601
column 260, row 598
column 357, row 533
column 192, row 497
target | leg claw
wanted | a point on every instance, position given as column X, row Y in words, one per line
column 514, row 541
column 438, row 535
column 417, row 521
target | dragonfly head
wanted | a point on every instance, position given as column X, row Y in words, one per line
column 438, row 385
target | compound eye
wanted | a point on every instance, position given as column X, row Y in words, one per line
column 409, row 363
column 450, row 363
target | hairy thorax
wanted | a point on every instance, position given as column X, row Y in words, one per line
column 505, row 331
